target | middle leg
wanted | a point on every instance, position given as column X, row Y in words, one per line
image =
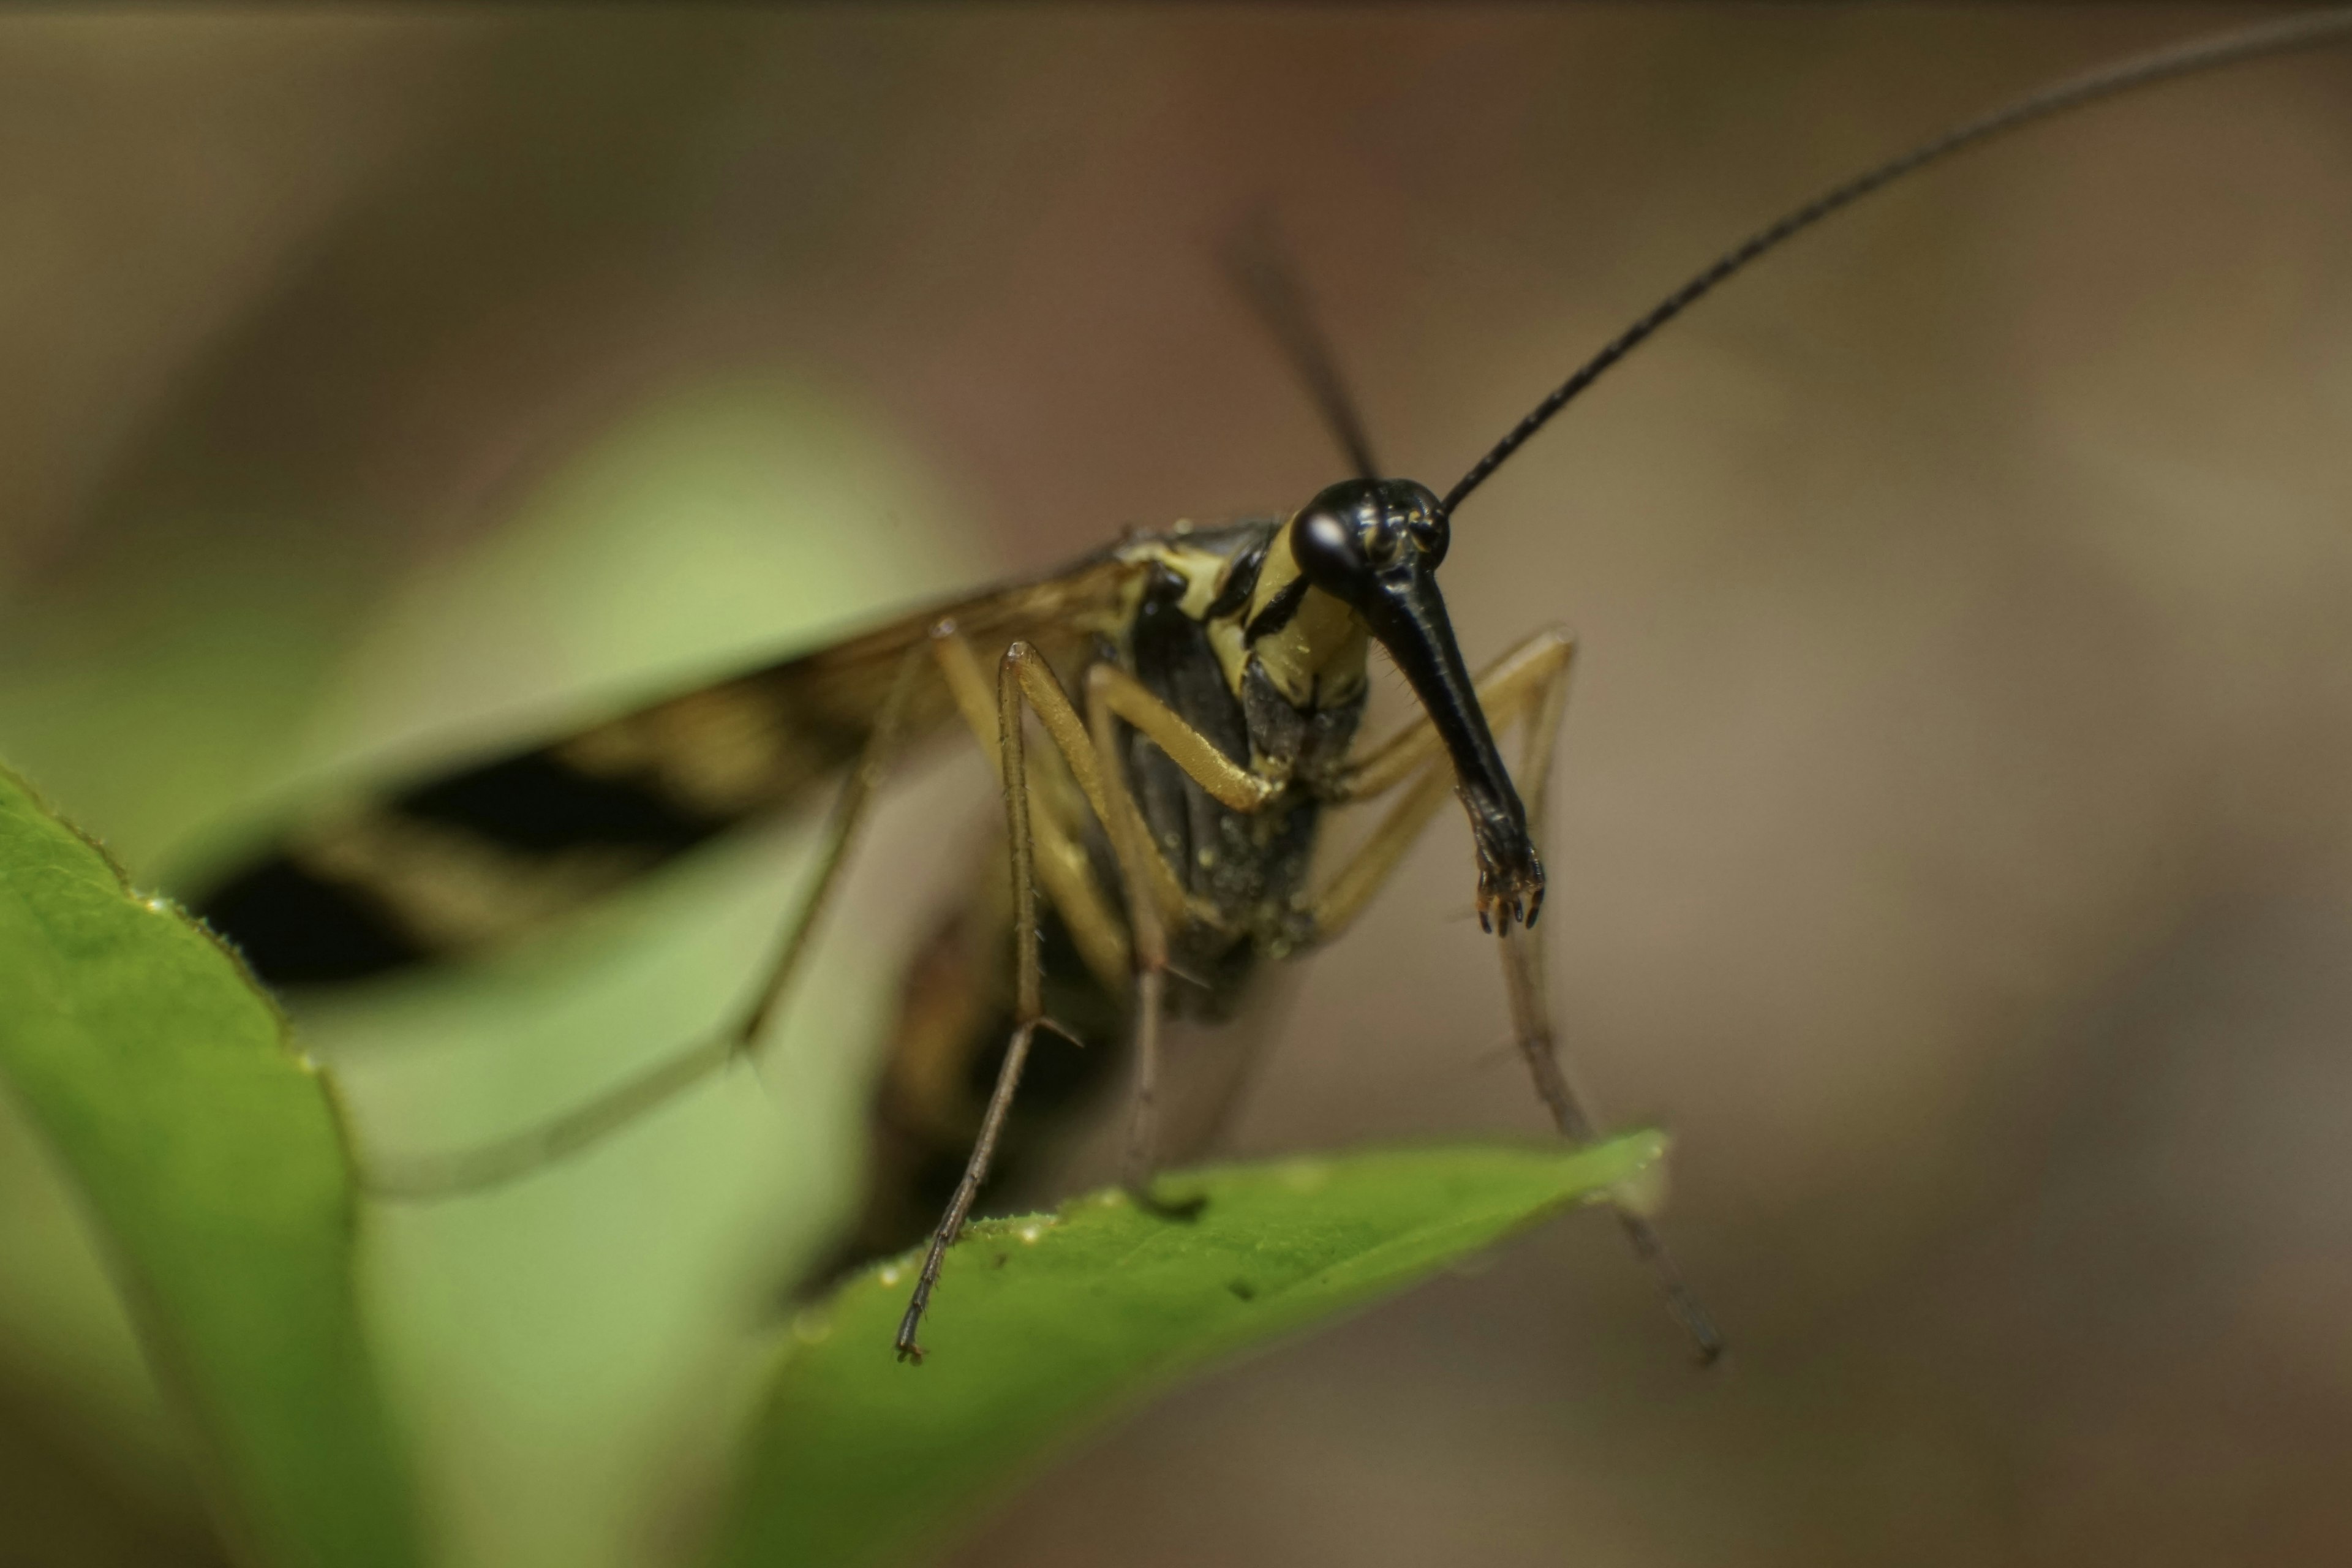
column 1026, row 683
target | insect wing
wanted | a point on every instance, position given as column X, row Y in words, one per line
column 464, row 860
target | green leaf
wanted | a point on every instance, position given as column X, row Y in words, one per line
column 1043, row 1326
column 209, row 1157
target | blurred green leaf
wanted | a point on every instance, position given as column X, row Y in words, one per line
column 1042, row 1326
column 209, row 1157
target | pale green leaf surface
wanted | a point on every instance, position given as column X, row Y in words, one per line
column 208, row 1158
column 1042, row 1326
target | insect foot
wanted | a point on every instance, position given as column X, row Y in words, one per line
column 909, row 1351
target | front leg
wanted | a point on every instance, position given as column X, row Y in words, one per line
column 1529, row 683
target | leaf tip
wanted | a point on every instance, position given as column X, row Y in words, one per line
column 1643, row 1190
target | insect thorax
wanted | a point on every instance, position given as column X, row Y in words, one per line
column 1278, row 690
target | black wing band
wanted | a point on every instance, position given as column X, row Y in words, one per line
column 457, row 862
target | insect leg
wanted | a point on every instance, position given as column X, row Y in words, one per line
column 1028, row 1010
column 1154, row 895
column 491, row 1164
column 1060, row 861
column 1523, row 982
column 1501, row 689
column 1529, row 683
column 1026, row 683
column 1113, row 696
column 1531, row 1023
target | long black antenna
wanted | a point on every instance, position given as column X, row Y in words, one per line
column 2310, row 29
column 1261, row 269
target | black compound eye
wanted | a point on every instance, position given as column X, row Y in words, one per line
column 1329, row 554
column 1433, row 533
column 1424, row 520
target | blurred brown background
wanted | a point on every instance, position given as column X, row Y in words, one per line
column 1954, row 832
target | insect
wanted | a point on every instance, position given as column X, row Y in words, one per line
column 1199, row 693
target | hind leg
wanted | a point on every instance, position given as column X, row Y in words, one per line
column 491, row 1164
